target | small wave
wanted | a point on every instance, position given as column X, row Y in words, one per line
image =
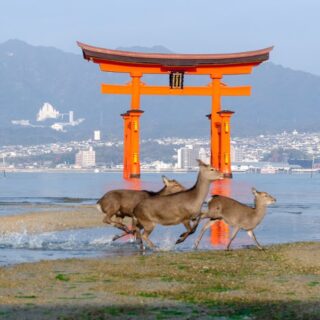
column 44, row 200
column 293, row 212
column 79, row 240
column 290, row 206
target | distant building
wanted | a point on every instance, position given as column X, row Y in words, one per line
column 204, row 156
column 71, row 118
column 96, row 135
column 187, row 157
column 237, row 154
column 232, row 153
column 86, row 158
column 47, row 111
column 58, row 127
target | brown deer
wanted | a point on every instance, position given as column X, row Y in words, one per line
column 181, row 207
column 236, row 214
column 118, row 204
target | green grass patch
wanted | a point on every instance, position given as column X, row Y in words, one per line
column 4, row 313
column 148, row 294
column 113, row 311
column 172, row 312
column 88, row 294
column 26, row 297
column 182, row 267
column 62, row 277
column 217, row 288
column 313, row 283
column 167, row 279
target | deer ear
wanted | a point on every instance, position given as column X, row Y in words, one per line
column 201, row 163
column 254, row 191
column 165, row 180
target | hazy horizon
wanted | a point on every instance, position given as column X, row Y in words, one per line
column 185, row 26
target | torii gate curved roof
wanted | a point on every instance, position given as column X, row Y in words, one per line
column 173, row 60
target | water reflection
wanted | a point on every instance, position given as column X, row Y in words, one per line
column 219, row 231
column 132, row 184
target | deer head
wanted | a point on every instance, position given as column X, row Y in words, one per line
column 264, row 197
column 172, row 186
column 209, row 172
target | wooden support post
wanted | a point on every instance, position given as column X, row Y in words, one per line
column 225, row 140
column 135, row 94
column 215, row 120
column 126, row 145
column 220, row 232
column 134, row 116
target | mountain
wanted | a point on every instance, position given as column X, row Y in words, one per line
column 282, row 99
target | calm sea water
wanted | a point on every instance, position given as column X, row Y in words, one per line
column 295, row 216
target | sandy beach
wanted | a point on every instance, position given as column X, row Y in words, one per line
column 282, row 282
column 52, row 218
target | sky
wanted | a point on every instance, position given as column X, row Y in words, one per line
column 183, row 26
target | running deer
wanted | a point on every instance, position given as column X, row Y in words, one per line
column 173, row 209
column 120, row 203
column 236, row 214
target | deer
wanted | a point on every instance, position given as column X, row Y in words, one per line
column 237, row 214
column 181, row 207
column 119, row 204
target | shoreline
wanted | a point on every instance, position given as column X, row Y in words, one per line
column 281, row 282
column 147, row 171
column 55, row 218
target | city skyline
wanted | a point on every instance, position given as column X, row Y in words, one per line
column 177, row 153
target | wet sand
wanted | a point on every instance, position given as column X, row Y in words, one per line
column 54, row 218
column 282, row 282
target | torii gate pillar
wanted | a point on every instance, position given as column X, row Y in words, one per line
column 220, row 141
column 134, row 151
column 225, row 142
column 126, row 144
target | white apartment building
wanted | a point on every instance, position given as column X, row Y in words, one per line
column 96, row 135
column 187, row 157
column 204, row 156
column 86, row 158
column 237, row 154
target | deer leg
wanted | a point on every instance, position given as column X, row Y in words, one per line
column 252, row 235
column 235, row 232
column 195, row 225
column 118, row 236
column 145, row 236
column 203, row 230
column 138, row 235
column 189, row 231
column 107, row 219
column 137, row 227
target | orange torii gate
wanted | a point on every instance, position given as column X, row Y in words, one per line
column 176, row 66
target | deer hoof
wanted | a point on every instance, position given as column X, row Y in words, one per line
column 115, row 237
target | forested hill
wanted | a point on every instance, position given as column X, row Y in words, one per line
column 282, row 99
